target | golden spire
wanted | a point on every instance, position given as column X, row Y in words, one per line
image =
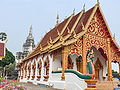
column 74, row 11
column 114, row 36
column 84, row 7
column 57, row 22
column 98, row 2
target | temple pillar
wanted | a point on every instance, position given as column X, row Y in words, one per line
column 109, row 60
column 31, row 71
column 64, row 61
column 84, row 55
column 36, row 70
column 27, row 69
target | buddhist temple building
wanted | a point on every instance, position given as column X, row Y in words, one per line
column 78, row 48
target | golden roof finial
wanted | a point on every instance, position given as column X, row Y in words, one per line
column 57, row 22
column 74, row 11
column 114, row 36
column 98, row 2
column 65, row 17
column 84, row 7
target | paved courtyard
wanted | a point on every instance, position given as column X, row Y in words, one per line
column 30, row 86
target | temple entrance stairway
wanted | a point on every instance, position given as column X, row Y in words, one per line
column 106, row 85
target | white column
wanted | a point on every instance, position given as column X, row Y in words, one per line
column 31, row 73
column 50, row 67
column 42, row 70
column 24, row 73
column 36, row 70
column 27, row 70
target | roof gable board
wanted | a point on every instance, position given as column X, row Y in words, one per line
column 97, row 7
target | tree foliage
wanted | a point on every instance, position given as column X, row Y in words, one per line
column 3, row 36
column 10, row 68
column 9, row 58
column 114, row 71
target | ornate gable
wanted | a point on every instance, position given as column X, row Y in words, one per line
column 98, row 32
column 97, row 26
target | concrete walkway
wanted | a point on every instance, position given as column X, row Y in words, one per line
column 30, row 86
column 106, row 85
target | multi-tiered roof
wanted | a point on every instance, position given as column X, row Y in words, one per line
column 74, row 26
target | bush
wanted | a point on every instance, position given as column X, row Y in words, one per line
column 11, row 85
column 1, row 78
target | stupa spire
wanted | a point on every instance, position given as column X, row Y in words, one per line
column 30, row 32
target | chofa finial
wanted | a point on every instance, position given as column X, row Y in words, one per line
column 74, row 11
column 57, row 22
column 114, row 36
column 98, row 2
column 84, row 7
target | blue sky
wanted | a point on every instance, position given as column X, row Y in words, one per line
column 16, row 16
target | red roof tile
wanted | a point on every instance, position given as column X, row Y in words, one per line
column 71, row 23
column 83, row 20
column 53, row 33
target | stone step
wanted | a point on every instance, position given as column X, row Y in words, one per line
column 91, row 89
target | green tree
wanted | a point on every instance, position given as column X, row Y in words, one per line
column 3, row 36
column 114, row 71
column 9, row 58
column 10, row 68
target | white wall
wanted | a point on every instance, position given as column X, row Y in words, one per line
column 73, row 57
column 56, row 63
column 115, row 67
column 72, row 82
